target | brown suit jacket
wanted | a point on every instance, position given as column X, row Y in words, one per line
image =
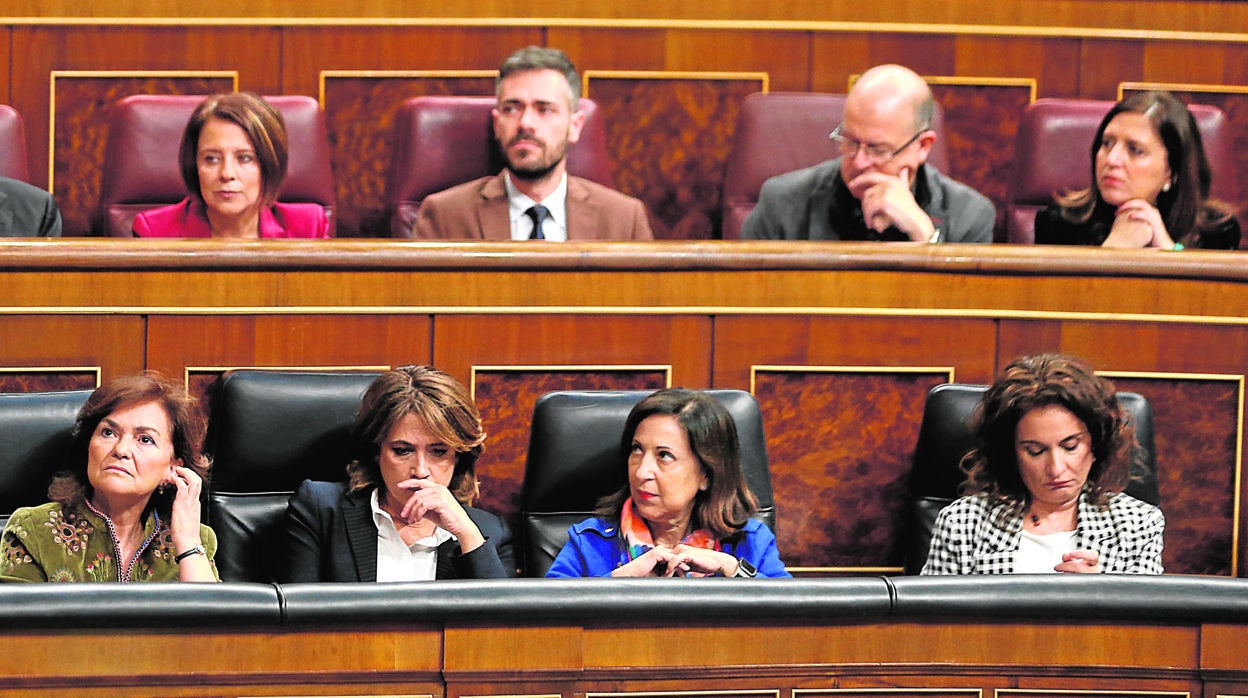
column 477, row 210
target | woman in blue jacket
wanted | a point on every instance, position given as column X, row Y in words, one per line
column 686, row 510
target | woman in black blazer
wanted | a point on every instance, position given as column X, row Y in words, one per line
column 405, row 514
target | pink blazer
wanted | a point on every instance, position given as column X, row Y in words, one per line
column 187, row 219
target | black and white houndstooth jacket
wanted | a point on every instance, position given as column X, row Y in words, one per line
column 966, row 538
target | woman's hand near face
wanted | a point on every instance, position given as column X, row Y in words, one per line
column 1138, row 223
column 184, row 523
column 184, row 527
column 1080, row 562
column 649, row 564
column 432, row 501
column 700, row 562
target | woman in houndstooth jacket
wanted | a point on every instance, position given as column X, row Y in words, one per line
column 1044, row 482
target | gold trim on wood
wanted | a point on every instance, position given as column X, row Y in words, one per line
column 54, row 369
column 848, row 27
column 979, row 692
column 112, row 74
column 581, row 368
column 1181, row 87
column 973, row 81
column 755, row 369
column 745, row 311
column 408, row 74
column 1086, row 692
column 1238, row 379
column 763, row 78
column 675, row 694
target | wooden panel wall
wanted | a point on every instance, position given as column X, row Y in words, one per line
column 1179, row 15
column 646, row 658
column 669, row 143
column 839, row 356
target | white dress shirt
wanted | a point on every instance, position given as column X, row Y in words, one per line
column 396, row 560
column 1040, row 554
column 554, row 228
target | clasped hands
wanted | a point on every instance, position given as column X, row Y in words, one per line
column 888, row 201
column 1138, row 223
column 678, row 561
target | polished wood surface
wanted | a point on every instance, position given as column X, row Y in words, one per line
column 839, row 342
column 638, row 657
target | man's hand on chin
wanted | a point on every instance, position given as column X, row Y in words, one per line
column 888, row 201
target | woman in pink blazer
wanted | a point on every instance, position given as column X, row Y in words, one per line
column 233, row 158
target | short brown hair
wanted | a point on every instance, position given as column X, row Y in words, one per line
column 263, row 125
column 71, row 486
column 1027, row 383
column 727, row 503
column 441, row 402
column 542, row 58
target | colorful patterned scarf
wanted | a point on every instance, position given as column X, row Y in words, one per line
column 638, row 539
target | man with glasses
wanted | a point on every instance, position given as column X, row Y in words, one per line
column 880, row 188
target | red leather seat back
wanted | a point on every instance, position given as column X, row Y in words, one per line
column 1052, row 155
column 442, row 141
column 141, row 159
column 12, row 145
column 780, row 132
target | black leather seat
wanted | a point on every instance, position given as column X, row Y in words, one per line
column 944, row 438
column 269, row 431
column 574, row 461
column 35, row 432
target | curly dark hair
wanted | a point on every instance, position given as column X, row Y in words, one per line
column 1027, row 383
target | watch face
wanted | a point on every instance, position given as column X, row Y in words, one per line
column 745, row 569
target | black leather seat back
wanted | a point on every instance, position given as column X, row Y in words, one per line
column 944, row 439
column 35, row 432
column 574, row 461
column 269, row 431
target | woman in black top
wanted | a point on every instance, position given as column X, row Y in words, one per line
column 1150, row 185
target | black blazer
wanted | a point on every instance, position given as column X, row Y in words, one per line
column 328, row 535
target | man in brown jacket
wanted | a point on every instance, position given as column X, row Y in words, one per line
column 534, row 198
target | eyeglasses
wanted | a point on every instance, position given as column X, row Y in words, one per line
column 877, row 154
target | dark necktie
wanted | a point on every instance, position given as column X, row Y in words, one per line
column 539, row 214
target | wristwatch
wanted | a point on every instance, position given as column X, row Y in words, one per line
column 745, row 569
column 197, row 550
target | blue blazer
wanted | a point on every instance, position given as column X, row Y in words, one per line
column 595, row 548
column 328, row 535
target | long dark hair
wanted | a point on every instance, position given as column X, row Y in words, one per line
column 1186, row 208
